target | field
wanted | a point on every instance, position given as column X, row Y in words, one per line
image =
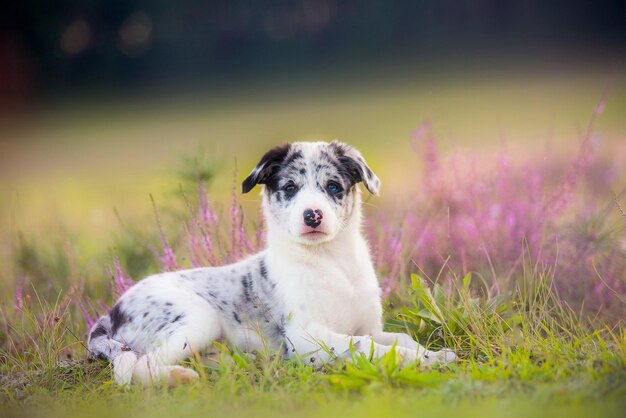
column 500, row 232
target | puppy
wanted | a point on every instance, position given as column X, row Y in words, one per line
column 312, row 293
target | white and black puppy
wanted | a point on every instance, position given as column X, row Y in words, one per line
column 312, row 293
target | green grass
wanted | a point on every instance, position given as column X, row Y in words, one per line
column 522, row 354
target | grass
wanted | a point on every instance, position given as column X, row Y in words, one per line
column 518, row 264
column 542, row 359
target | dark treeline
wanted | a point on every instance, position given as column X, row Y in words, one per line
column 54, row 45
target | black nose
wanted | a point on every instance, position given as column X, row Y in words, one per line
column 312, row 218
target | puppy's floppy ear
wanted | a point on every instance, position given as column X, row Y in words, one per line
column 266, row 167
column 354, row 163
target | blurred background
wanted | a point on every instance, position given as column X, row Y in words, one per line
column 64, row 47
column 102, row 102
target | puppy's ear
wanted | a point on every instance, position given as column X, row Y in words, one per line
column 268, row 166
column 354, row 164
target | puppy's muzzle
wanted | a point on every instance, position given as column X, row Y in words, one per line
column 312, row 218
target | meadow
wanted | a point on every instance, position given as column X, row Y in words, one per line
column 500, row 232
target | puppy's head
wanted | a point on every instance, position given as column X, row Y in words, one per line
column 311, row 190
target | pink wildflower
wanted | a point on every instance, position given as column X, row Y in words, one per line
column 121, row 283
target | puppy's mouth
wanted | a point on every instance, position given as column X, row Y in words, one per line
column 313, row 234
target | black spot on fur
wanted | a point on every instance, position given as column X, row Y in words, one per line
column 178, row 318
column 267, row 168
column 169, row 304
column 246, row 283
column 118, row 318
column 145, row 314
column 263, row 269
column 348, row 170
column 289, row 160
column 250, row 282
column 280, row 330
column 236, row 317
column 352, row 167
column 161, row 327
column 275, row 182
column 99, row 331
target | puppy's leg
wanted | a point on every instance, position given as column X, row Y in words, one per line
column 427, row 357
column 158, row 367
column 200, row 326
column 318, row 345
column 400, row 339
column 123, row 365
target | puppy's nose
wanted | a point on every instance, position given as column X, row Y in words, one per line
column 312, row 218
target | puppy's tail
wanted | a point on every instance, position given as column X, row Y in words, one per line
column 102, row 345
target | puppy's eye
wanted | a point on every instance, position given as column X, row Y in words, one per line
column 290, row 188
column 334, row 188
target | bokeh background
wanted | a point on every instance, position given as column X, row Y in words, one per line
column 104, row 103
